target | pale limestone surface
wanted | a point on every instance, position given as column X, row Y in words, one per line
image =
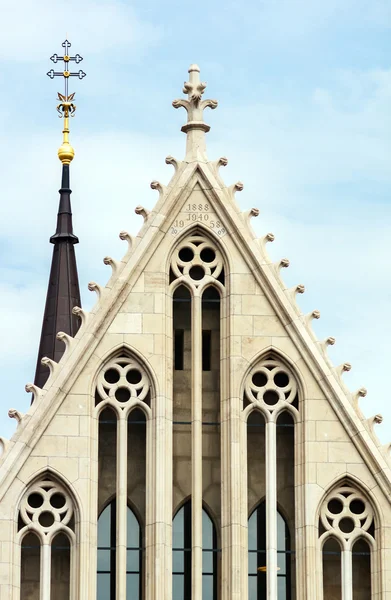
column 334, row 446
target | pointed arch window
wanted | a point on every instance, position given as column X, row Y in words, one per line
column 347, row 541
column 257, row 556
column 107, row 555
column 181, row 548
column 46, row 530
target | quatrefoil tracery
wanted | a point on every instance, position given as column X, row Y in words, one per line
column 197, row 260
column 46, row 507
column 347, row 514
column 271, row 386
column 122, row 381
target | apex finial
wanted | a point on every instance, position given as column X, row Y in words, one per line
column 195, row 127
column 66, row 107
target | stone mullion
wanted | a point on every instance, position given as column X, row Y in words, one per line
column 347, row 575
column 121, row 525
column 45, row 571
column 271, row 509
column 196, row 448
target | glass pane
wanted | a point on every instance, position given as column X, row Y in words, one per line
column 178, row 563
column 281, row 588
column 133, row 560
column 104, row 560
column 178, row 587
column 332, row 570
column 281, row 542
column 281, row 563
column 30, row 567
column 178, row 534
column 361, row 570
column 104, row 526
column 252, row 531
column 132, row 587
column 252, row 563
column 207, row 531
column 103, row 586
column 252, row 588
column 133, row 530
column 207, row 561
column 60, row 566
column 207, row 587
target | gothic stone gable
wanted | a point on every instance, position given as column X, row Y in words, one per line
column 130, row 329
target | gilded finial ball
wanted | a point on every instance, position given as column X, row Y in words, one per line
column 66, row 153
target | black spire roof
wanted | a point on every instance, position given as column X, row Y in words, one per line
column 63, row 288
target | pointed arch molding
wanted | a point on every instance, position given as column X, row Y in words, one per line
column 149, row 238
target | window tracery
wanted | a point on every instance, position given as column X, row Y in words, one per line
column 271, row 387
column 121, row 382
column 197, row 260
column 46, row 508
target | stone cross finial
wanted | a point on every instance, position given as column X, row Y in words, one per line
column 195, row 127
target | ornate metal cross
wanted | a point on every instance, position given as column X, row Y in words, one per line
column 66, row 73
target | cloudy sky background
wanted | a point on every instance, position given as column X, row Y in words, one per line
column 304, row 90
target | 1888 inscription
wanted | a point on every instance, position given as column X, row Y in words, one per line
column 198, row 213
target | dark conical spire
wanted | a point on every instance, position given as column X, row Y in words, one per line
column 63, row 288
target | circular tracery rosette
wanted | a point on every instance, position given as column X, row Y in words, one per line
column 197, row 259
column 46, row 505
column 271, row 385
column 123, row 380
column 347, row 513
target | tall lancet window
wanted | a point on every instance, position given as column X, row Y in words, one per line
column 46, row 530
column 348, row 544
column 197, row 283
column 270, row 410
column 182, row 555
column 257, row 556
column 123, row 406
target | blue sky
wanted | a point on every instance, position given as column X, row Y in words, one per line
column 304, row 116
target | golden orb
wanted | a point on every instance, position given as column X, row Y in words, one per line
column 66, row 153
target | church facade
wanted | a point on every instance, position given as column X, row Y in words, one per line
column 194, row 441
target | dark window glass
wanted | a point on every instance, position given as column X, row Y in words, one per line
column 257, row 566
column 179, row 349
column 107, row 555
column 181, row 559
column 206, row 350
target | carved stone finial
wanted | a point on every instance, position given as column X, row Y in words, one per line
column 170, row 160
column 315, row 314
column 247, row 215
column 95, row 287
column 140, row 210
column 64, row 337
column 156, row 185
column 49, row 363
column 221, row 162
column 372, row 421
column 283, row 264
column 31, row 388
column 82, row 314
column 111, row 262
column 269, row 237
column 124, row 235
column 195, row 127
column 15, row 414
column 355, row 397
column 238, row 187
column 344, row 368
column 330, row 341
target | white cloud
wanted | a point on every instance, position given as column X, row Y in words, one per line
column 28, row 30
